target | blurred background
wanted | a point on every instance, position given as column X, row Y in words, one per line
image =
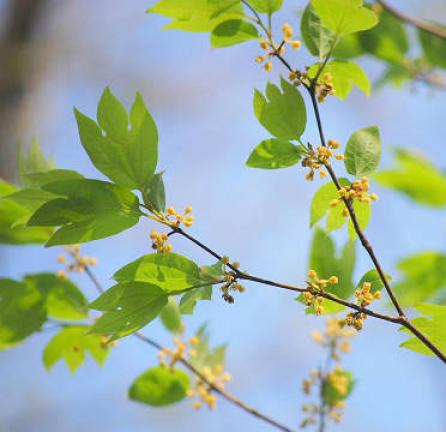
column 59, row 54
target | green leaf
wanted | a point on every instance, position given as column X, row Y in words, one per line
column 64, row 299
column 71, row 344
column 344, row 16
column 324, row 260
column 127, row 156
column 155, row 194
column 160, row 386
column 197, row 15
column 128, row 307
column 317, row 38
column 22, row 311
column 32, row 161
column 434, row 47
column 424, row 279
column 13, row 216
column 273, row 154
column 363, row 152
column 266, row 6
column 171, row 316
column 434, row 328
column 345, row 75
column 206, row 356
column 91, row 210
column 283, row 114
column 213, row 273
column 233, row 32
column 189, row 299
column 415, row 177
column 372, row 276
column 320, row 206
column 332, row 393
column 363, row 212
column 388, row 40
column 171, row 272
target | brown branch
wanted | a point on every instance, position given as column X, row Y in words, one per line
column 434, row 29
column 217, row 389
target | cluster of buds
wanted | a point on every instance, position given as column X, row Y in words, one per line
column 364, row 296
column 324, row 87
column 215, row 377
column 230, row 279
column 358, row 190
column 335, row 338
column 175, row 219
column 78, row 262
column 317, row 159
column 182, row 349
column 160, row 242
column 355, row 320
column 297, row 77
column 315, row 286
column 271, row 50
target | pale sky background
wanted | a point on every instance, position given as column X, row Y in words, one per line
column 201, row 100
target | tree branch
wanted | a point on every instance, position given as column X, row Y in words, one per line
column 217, row 389
column 422, row 25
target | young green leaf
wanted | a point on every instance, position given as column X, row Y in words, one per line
column 363, row 211
column 128, row 307
column 90, row 210
column 155, row 195
column 126, row 156
column 197, row 15
column 415, row 177
column 171, row 272
column 363, row 152
column 266, row 6
column 32, row 161
column 283, row 114
column 388, row 40
column 233, row 32
column 317, row 38
column 433, row 325
column 434, row 48
column 189, row 299
column 274, row 153
column 344, row 16
column 64, row 299
column 71, row 344
column 22, row 311
column 171, row 316
column 206, row 356
column 345, row 75
column 160, row 386
column 423, row 279
column 13, row 216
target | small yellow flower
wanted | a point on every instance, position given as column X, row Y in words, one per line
column 260, row 59
column 296, row 44
column 268, row 66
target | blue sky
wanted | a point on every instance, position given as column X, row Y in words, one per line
column 201, row 100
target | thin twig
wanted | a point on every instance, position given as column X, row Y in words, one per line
column 226, row 395
column 434, row 29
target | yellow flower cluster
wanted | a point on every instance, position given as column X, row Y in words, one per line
column 355, row 319
column 316, row 160
column 79, row 262
column 231, row 283
column 363, row 295
column 316, row 285
column 182, row 349
column 335, row 339
column 175, row 219
column 358, row 190
column 203, row 392
column 272, row 50
column 325, row 87
column 160, row 242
